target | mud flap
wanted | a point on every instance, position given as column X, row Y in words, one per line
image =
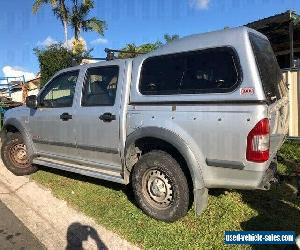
column 201, row 200
column 2, row 135
column 269, row 177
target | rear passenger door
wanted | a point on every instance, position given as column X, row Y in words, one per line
column 97, row 117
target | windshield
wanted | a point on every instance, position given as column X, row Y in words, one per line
column 269, row 70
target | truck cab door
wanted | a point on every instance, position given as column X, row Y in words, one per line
column 51, row 124
column 97, row 119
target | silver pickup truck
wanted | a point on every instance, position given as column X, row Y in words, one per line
column 205, row 111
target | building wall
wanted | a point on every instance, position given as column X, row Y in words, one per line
column 17, row 96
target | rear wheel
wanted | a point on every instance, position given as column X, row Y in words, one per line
column 160, row 186
column 15, row 157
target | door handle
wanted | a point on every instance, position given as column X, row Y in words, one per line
column 107, row 117
column 65, row 116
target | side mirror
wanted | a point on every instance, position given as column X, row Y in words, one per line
column 31, row 101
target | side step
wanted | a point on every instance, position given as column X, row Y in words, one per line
column 108, row 175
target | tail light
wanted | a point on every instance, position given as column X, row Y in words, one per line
column 258, row 142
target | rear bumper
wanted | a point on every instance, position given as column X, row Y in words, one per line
column 220, row 177
column 268, row 177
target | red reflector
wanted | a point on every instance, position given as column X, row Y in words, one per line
column 258, row 142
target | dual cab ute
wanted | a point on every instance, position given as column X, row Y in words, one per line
column 205, row 111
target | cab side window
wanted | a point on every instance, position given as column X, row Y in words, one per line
column 214, row 70
column 100, row 86
column 60, row 91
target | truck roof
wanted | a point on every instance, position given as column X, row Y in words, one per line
column 187, row 43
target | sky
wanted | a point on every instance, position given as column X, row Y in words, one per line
column 128, row 21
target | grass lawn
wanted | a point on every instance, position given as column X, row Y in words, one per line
column 112, row 206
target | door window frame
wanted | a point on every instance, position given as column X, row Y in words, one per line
column 86, row 74
column 48, row 86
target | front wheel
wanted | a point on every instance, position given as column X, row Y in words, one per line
column 14, row 155
column 160, row 186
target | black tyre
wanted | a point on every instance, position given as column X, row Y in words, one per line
column 160, row 186
column 14, row 155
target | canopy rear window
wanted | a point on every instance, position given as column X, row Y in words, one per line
column 268, row 67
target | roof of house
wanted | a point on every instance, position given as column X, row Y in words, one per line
column 276, row 28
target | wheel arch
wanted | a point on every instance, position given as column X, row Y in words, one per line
column 199, row 190
column 13, row 125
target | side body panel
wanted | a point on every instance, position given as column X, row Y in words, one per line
column 214, row 134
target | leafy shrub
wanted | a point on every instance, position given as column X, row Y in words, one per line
column 56, row 57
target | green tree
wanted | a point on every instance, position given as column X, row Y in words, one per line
column 170, row 38
column 79, row 19
column 56, row 57
column 59, row 9
column 131, row 50
column 148, row 47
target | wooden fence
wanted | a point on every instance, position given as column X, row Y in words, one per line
column 292, row 79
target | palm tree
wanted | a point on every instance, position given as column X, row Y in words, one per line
column 59, row 9
column 79, row 19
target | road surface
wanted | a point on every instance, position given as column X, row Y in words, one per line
column 13, row 233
